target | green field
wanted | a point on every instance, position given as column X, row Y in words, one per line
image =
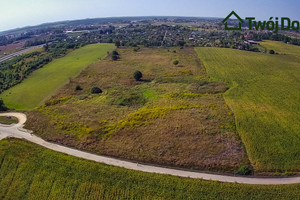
column 265, row 98
column 6, row 120
column 28, row 171
column 43, row 83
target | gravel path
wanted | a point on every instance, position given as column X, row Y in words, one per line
column 17, row 131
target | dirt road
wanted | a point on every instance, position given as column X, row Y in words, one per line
column 19, row 53
column 17, row 131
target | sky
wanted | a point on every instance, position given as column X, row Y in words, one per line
column 20, row 13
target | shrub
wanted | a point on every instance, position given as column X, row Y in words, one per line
column 137, row 75
column 115, row 55
column 136, row 49
column 96, row 90
column 271, row 52
column 78, row 87
column 176, row 62
column 244, row 170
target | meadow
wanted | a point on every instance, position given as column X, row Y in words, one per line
column 264, row 96
column 174, row 116
column 45, row 82
column 28, row 171
column 6, row 120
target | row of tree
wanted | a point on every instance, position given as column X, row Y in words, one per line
column 17, row 69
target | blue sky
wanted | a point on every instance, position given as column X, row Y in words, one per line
column 19, row 13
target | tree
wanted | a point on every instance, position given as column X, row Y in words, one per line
column 181, row 43
column 176, row 62
column 118, row 44
column 46, row 47
column 96, row 90
column 271, row 52
column 137, row 75
column 2, row 106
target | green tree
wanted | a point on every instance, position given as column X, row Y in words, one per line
column 118, row 44
column 2, row 106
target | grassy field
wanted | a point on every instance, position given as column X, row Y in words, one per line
column 43, row 83
column 174, row 116
column 265, row 98
column 6, row 120
column 28, row 171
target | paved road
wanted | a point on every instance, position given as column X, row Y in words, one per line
column 17, row 131
column 19, row 53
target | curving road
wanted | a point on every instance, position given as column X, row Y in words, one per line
column 17, row 131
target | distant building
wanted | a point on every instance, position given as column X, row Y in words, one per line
column 250, row 42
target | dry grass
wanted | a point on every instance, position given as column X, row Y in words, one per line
column 175, row 116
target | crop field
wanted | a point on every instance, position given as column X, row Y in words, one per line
column 174, row 116
column 43, row 83
column 264, row 96
column 28, row 171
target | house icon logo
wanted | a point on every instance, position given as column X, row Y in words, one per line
column 233, row 28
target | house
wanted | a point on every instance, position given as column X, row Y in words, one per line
column 250, row 42
column 233, row 28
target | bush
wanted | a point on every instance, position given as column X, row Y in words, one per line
column 136, row 49
column 115, row 55
column 137, row 75
column 96, row 90
column 244, row 170
column 78, row 87
column 176, row 62
column 271, row 52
